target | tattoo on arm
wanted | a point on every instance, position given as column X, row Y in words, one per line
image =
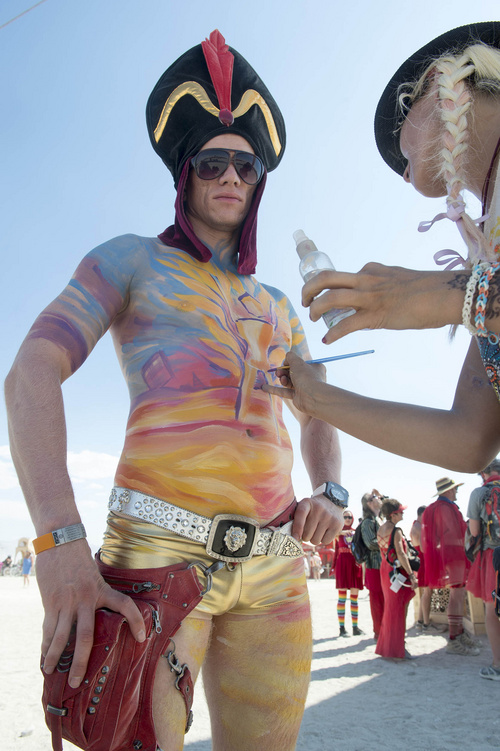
column 459, row 281
column 493, row 305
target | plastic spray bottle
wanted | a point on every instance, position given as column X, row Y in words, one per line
column 312, row 261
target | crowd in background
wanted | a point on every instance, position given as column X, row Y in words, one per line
column 444, row 552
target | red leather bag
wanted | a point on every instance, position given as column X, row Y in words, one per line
column 112, row 708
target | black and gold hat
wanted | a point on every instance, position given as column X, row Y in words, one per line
column 211, row 90
column 388, row 117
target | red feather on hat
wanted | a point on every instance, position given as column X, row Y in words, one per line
column 220, row 63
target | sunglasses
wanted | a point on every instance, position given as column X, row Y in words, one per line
column 212, row 163
column 348, row 516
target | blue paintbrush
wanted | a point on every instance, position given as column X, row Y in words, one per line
column 328, row 359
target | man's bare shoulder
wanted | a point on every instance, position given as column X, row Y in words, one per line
column 276, row 294
column 127, row 257
column 129, row 246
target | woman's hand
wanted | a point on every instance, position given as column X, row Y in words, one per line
column 299, row 382
column 387, row 297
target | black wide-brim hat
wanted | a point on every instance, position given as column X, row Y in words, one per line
column 208, row 91
column 388, row 117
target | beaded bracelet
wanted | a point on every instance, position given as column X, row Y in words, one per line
column 469, row 295
column 482, row 298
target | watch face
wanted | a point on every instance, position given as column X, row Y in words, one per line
column 336, row 493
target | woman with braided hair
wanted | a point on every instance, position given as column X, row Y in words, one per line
column 438, row 126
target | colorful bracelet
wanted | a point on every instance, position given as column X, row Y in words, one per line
column 469, row 295
column 59, row 537
column 482, row 299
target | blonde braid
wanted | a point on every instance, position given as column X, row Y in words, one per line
column 455, row 98
column 458, row 77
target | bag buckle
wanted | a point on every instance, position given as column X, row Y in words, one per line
column 175, row 665
column 59, row 711
column 232, row 538
column 208, row 571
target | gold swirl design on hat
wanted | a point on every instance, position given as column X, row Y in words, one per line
column 194, row 89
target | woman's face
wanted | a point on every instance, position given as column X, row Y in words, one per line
column 419, row 144
column 396, row 516
column 348, row 519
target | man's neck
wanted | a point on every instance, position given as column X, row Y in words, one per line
column 222, row 243
column 446, row 498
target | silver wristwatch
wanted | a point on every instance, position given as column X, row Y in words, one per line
column 334, row 492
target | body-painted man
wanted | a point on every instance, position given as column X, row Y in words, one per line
column 195, row 334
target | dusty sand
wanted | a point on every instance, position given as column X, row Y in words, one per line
column 356, row 701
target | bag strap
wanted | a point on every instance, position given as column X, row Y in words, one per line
column 391, row 546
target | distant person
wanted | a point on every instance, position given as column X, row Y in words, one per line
column 371, row 504
column 6, row 564
column 27, row 565
column 391, row 641
column 425, row 592
column 484, row 518
column 316, row 565
column 348, row 576
column 443, row 537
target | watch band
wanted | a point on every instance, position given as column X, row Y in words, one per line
column 335, row 493
column 59, row 537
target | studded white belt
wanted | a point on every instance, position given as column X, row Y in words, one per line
column 227, row 537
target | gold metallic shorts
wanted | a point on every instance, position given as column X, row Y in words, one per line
column 263, row 582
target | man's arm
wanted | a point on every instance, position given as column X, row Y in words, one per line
column 317, row 519
column 474, row 510
column 70, row 584
column 59, row 341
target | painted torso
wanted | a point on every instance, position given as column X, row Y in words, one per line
column 195, row 342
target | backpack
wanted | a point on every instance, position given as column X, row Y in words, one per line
column 412, row 555
column 490, row 514
column 358, row 547
column 489, row 523
column 496, row 591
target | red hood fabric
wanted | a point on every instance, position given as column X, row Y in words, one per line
column 442, row 542
column 181, row 234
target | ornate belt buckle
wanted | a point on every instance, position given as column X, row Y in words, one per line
column 232, row 538
column 284, row 545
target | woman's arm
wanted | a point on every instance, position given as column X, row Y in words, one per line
column 464, row 438
column 403, row 558
column 387, row 297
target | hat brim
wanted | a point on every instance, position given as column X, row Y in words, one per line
column 388, row 116
column 455, row 485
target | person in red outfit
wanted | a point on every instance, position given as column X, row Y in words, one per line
column 484, row 518
column 348, row 575
column 391, row 641
column 443, row 535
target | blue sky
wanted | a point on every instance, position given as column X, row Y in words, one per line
column 78, row 169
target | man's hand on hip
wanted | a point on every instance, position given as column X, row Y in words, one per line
column 317, row 520
column 72, row 589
